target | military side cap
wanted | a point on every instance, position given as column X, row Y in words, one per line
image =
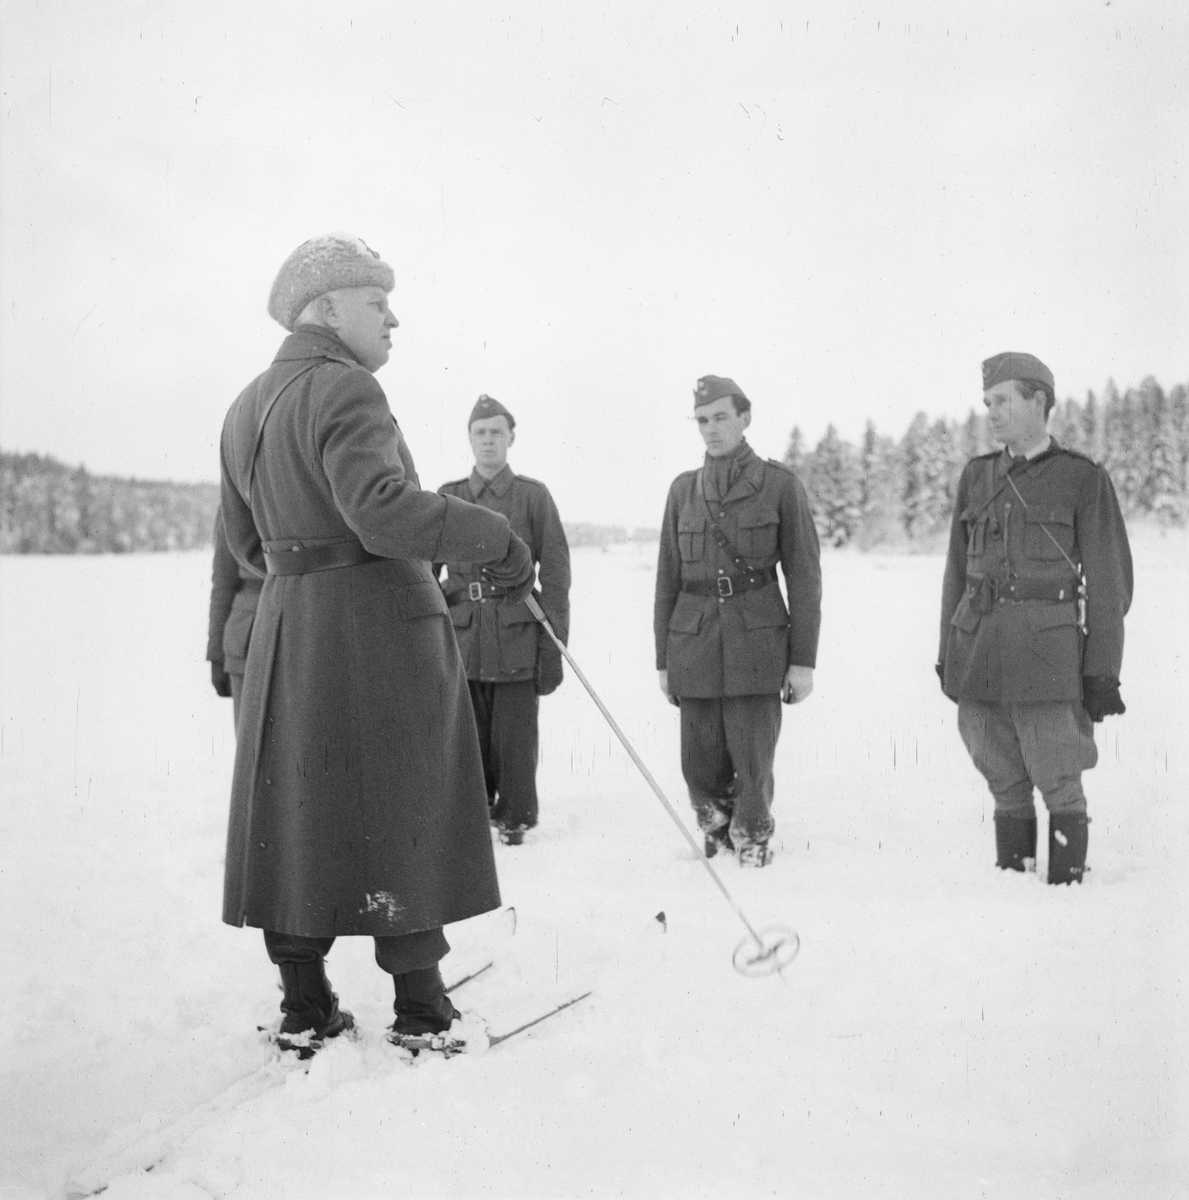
column 321, row 265
column 1013, row 365
column 715, row 387
column 489, row 406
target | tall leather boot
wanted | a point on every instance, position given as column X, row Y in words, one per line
column 421, row 1004
column 1015, row 842
column 312, row 1013
column 1068, row 837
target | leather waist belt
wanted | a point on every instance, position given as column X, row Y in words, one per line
column 989, row 588
column 477, row 591
column 292, row 558
column 730, row 585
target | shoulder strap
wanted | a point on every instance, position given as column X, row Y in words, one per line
column 264, row 417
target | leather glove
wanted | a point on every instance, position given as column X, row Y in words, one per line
column 1100, row 696
column 548, row 675
column 220, row 680
column 514, row 571
column 940, row 669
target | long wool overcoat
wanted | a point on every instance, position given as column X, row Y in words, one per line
column 358, row 804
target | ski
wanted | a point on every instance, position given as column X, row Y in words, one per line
column 503, row 1037
column 447, row 1047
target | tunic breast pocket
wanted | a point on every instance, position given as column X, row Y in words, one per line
column 758, row 534
column 691, row 538
column 1054, row 545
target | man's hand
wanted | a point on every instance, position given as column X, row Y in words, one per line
column 220, row 680
column 1100, row 697
column 515, row 570
column 664, row 682
column 798, row 683
column 548, row 674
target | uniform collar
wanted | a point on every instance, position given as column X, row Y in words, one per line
column 314, row 341
column 1038, row 455
column 497, row 486
column 748, row 481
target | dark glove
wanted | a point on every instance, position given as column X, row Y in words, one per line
column 1100, row 696
column 514, row 571
column 940, row 669
column 548, row 675
column 220, row 680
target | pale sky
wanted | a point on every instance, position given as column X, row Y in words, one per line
column 845, row 207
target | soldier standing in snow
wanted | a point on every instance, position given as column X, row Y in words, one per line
column 1037, row 582
column 358, row 804
column 235, row 592
column 509, row 662
column 727, row 650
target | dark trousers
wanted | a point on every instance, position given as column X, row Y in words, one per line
column 728, row 744
column 397, row 955
column 506, row 717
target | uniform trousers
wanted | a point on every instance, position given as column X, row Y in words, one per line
column 506, row 717
column 1019, row 746
column 728, row 744
column 398, row 954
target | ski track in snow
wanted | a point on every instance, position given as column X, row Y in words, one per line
column 946, row 1031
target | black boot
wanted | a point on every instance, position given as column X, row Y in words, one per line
column 421, row 1003
column 1015, row 842
column 312, row 1013
column 1068, row 835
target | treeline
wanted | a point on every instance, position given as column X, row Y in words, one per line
column 884, row 493
column 47, row 507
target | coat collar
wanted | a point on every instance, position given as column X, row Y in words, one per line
column 497, row 486
column 314, row 341
column 749, row 481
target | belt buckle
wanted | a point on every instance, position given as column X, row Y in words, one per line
column 728, row 589
column 475, row 591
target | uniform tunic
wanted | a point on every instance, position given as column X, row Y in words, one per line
column 1013, row 649
column 509, row 660
column 727, row 657
column 358, row 804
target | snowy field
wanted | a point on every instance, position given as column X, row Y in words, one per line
column 946, row 1031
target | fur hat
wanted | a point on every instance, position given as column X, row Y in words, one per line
column 335, row 260
column 489, row 406
column 715, row 387
column 1011, row 364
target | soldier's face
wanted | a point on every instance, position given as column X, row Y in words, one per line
column 721, row 426
column 1013, row 419
column 490, row 440
column 364, row 323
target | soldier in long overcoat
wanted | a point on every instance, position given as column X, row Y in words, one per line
column 727, row 649
column 509, row 660
column 358, row 804
column 1037, row 583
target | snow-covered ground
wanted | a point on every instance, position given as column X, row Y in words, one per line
column 947, row 1030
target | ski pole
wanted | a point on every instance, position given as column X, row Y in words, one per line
column 778, row 952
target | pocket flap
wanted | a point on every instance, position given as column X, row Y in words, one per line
column 1052, row 515
column 516, row 614
column 685, row 620
column 461, row 615
column 690, row 523
column 1043, row 615
column 420, row 600
column 756, row 520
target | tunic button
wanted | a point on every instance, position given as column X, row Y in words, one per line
column 269, row 782
column 722, row 514
column 721, row 600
